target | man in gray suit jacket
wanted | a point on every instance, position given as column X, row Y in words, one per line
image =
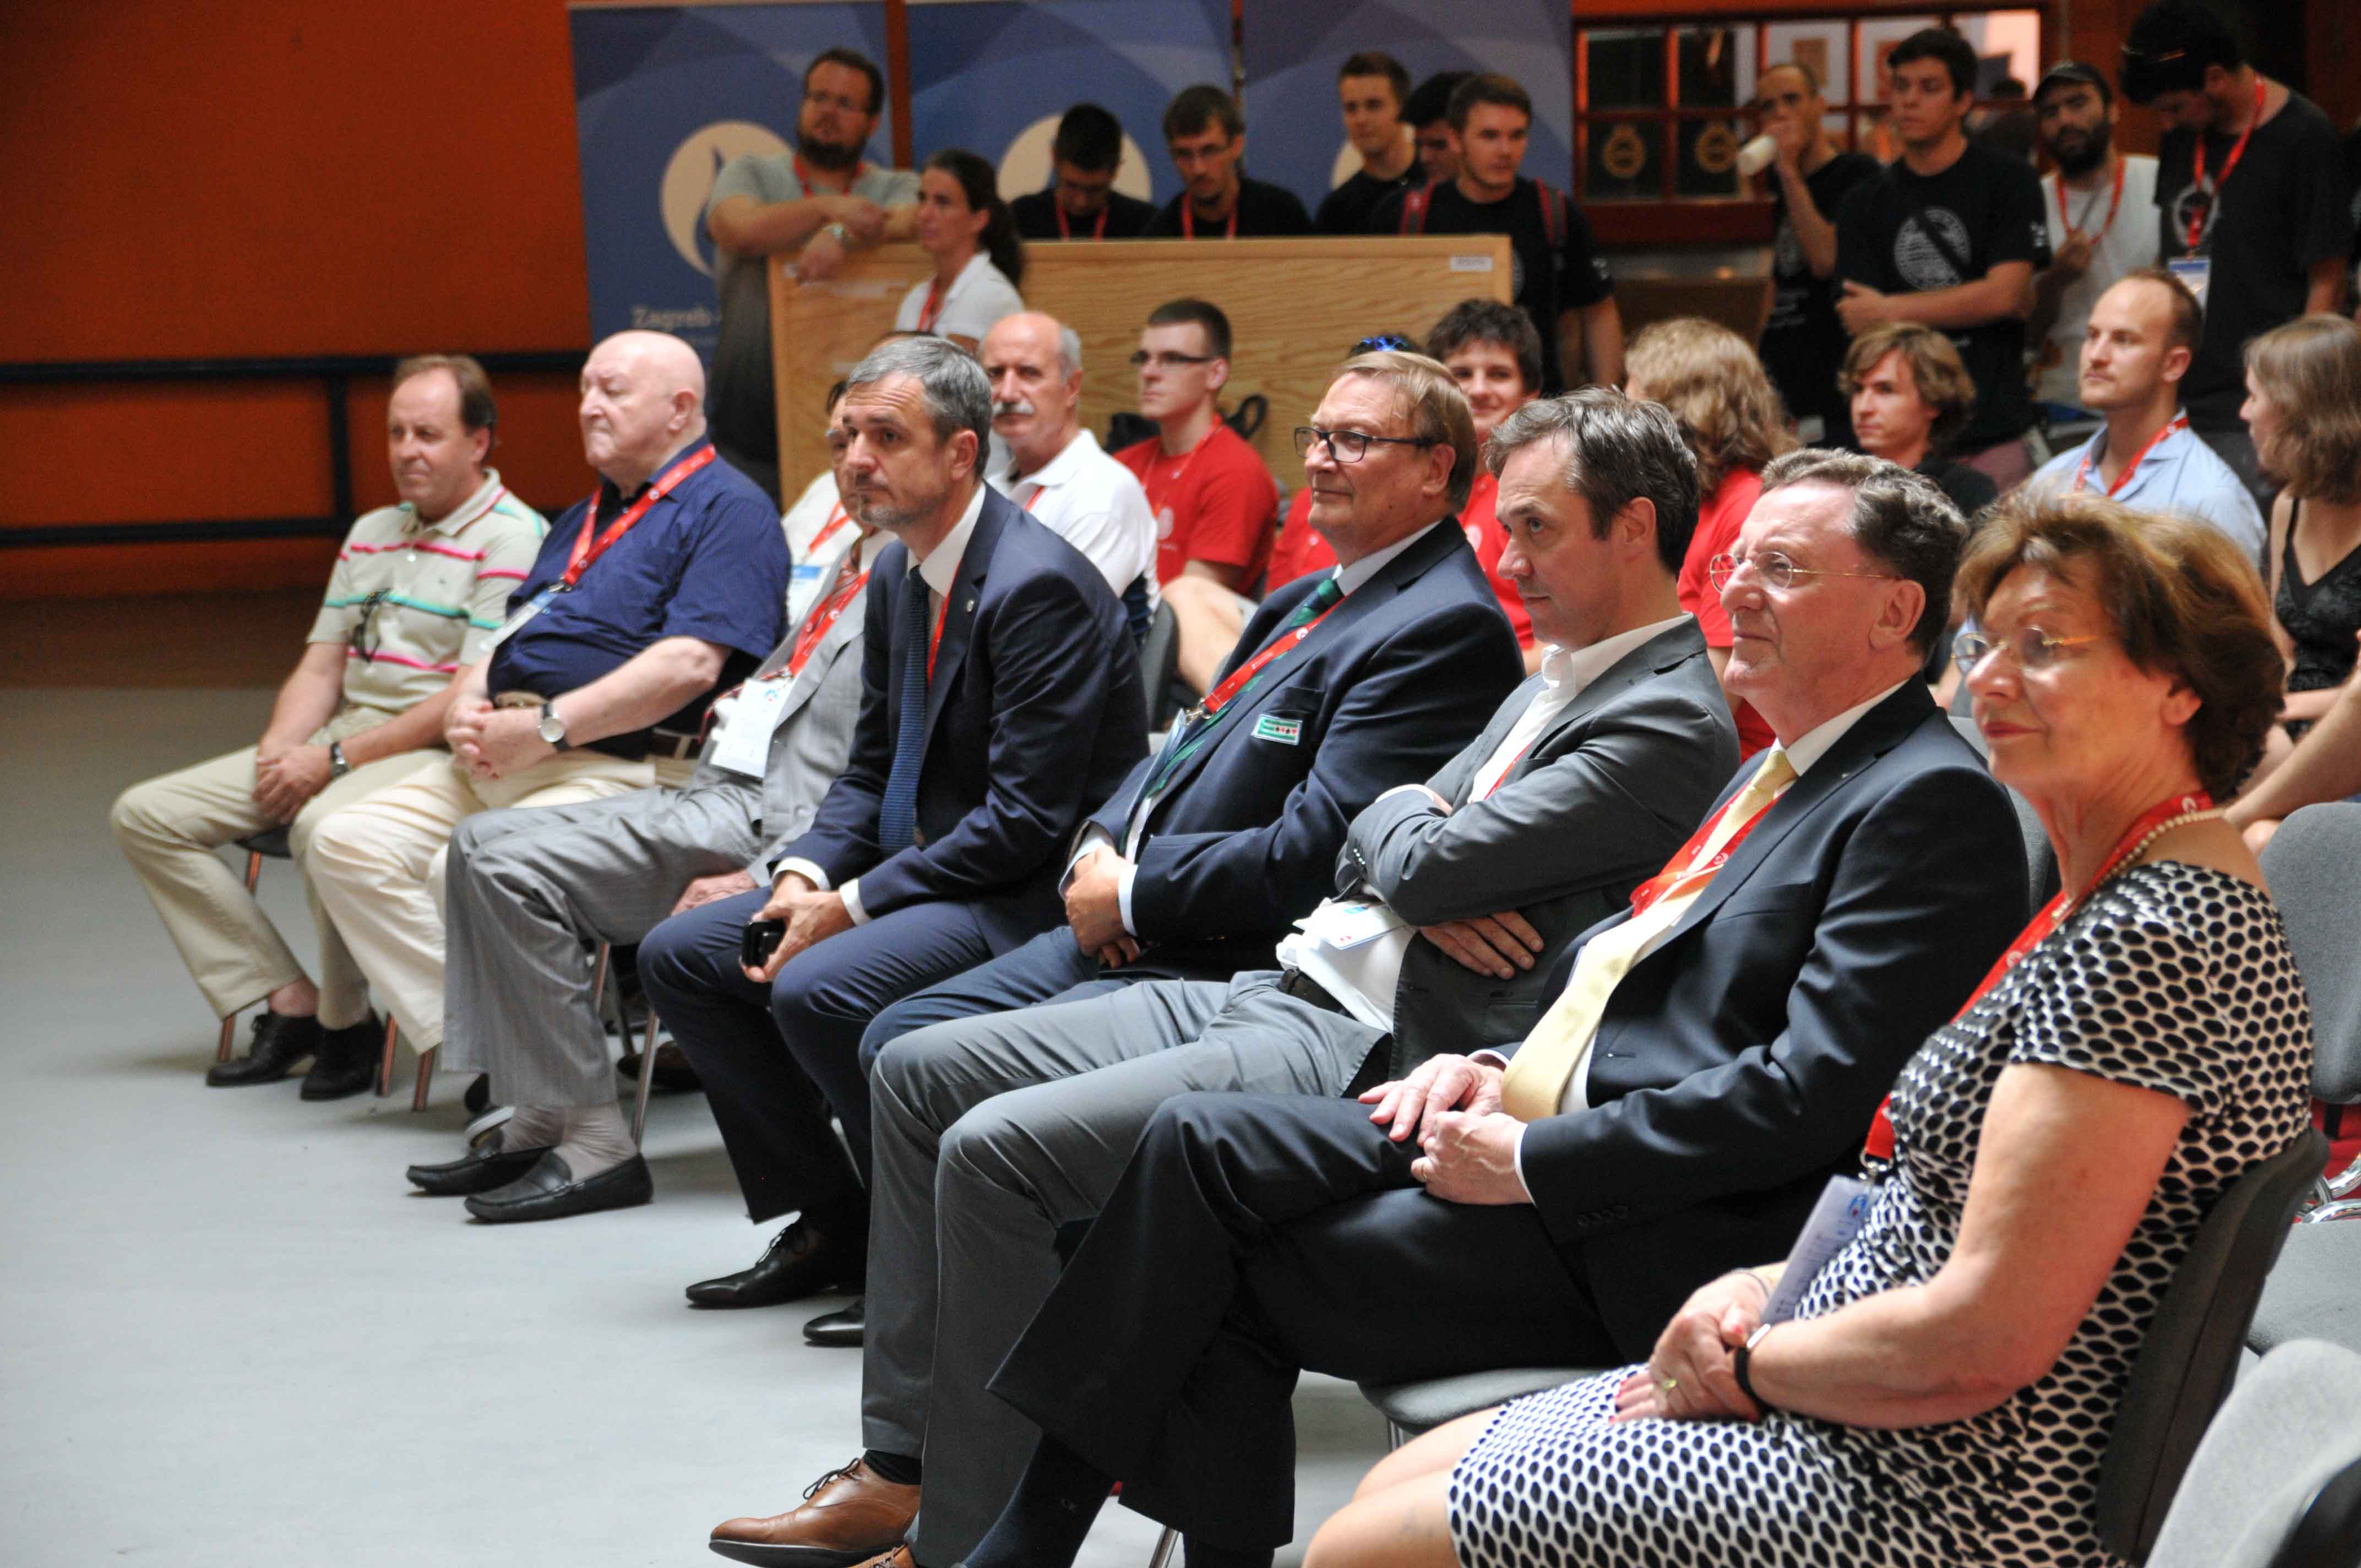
column 529, row 892
column 1586, row 781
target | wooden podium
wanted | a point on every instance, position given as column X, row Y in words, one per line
column 1295, row 306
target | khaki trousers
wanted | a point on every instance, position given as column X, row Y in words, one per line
column 169, row 827
column 377, row 864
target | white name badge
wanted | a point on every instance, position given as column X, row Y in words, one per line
column 2193, row 270
column 745, row 745
column 1349, row 921
column 530, row 608
column 1836, row 1219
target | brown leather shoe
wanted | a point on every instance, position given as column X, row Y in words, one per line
column 848, row 1516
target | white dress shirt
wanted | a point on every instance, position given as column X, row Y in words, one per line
column 809, row 558
column 1095, row 504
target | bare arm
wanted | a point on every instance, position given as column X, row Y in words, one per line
column 2004, row 292
column 758, row 228
column 652, row 683
column 1228, row 577
column 1815, row 233
column 308, row 698
column 1601, row 342
column 2326, row 289
column 2325, row 764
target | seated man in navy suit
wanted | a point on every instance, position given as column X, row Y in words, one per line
column 1001, row 699
column 1712, row 1056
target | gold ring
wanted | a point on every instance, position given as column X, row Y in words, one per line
column 1666, row 1385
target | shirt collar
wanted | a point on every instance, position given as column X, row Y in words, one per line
column 1358, row 574
column 1066, row 466
column 606, row 487
column 467, row 511
column 1565, row 671
column 2094, row 451
column 1816, row 742
column 940, row 569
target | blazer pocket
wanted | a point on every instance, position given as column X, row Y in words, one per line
column 1509, row 1019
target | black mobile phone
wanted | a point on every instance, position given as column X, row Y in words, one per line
column 761, row 940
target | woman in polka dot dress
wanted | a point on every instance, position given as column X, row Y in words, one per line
column 1947, row 1389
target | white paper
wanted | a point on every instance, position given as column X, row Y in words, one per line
column 1836, row 1219
column 744, row 743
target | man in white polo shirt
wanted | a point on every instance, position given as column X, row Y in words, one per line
column 419, row 589
column 1056, row 470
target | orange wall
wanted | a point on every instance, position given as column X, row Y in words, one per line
column 189, row 178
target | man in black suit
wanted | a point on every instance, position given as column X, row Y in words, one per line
column 1001, row 696
column 1344, row 684
column 1714, row 1054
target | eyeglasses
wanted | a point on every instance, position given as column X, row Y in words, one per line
column 1351, row 445
column 364, row 639
column 1777, row 571
column 2029, row 649
column 1142, row 359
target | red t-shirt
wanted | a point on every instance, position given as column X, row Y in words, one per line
column 1213, row 502
column 1719, row 520
column 1490, row 542
column 1299, row 551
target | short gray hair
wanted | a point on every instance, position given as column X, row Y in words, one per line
column 1900, row 520
column 1069, row 353
column 959, row 396
column 1617, row 451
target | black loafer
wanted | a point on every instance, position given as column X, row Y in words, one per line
column 674, row 1074
column 839, row 1330
column 280, row 1042
column 548, row 1191
column 346, row 1063
column 480, row 1169
column 802, row 1260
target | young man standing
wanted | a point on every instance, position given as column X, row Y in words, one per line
column 1427, row 113
column 1371, row 90
column 1560, row 280
column 1803, row 344
column 2097, row 207
column 1081, row 202
column 1949, row 236
column 2251, row 197
column 1206, row 135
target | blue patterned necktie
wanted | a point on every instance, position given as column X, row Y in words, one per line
column 898, row 812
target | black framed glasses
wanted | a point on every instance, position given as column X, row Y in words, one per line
column 2029, row 648
column 1351, row 445
column 364, row 639
column 1167, row 360
column 1777, row 571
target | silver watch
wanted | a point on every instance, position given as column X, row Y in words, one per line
column 337, row 766
column 552, row 728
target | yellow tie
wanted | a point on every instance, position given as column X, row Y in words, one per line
column 1536, row 1084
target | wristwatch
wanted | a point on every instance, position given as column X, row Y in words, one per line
column 1744, row 1355
column 337, row 766
column 552, row 728
column 839, row 234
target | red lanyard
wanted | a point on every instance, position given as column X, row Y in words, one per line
column 1188, row 219
column 2122, row 477
column 1880, row 1144
column 2198, row 226
column 1098, row 230
column 837, row 517
column 933, row 308
column 1682, row 873
column 2113, row 201
column 935, row 645
column 586, row 553
column 817, row 624
column 1243, row 676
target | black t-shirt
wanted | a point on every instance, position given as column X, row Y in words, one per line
column 1264, row 211
column 1127, row 217
column 1346, row 209
column 1545, row 284
column 2283, row 211
column 1985, row 210
column 1803, row 342
column 1970, row 490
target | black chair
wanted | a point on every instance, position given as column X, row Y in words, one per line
column 1159, row 667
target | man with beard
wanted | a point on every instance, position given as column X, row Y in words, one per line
column 819, row 203
column 2097, row 204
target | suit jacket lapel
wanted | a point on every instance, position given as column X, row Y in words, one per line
column 959, row 614
column 848, row 626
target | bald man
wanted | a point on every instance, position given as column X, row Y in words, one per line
column 1056, row 470
column 668, row 583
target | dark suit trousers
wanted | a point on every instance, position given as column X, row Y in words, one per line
column 774, row 1060
column 1253, row 1236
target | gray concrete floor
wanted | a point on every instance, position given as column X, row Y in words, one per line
column 229, row 1334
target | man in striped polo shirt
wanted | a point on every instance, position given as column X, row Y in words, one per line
column 418, row 591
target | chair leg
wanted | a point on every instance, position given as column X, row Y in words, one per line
column 426, row 1077
column 647, row 1078
column 598, row 978
column 253, row 869
column 1164, row 1545
column 385, row 1060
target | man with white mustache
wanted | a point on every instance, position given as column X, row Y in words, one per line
column 1056, row 470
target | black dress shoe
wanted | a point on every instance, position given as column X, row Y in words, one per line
column 346, row 1062
column 280, row 1042
column 480, row 1169
column 674, row 1074
column 841, row 1328
column 802, row 1260
column 548, row 1191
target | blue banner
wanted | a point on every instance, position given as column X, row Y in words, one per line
column 664, row 96
column 993, row 76
column 1295, row 136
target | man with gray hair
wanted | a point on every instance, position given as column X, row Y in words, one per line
column 1000, row 701
column 1056, row 470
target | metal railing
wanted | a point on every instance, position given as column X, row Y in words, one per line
column 335, row 374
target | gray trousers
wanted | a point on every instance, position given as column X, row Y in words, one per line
column 993, row 1131
column 528, row 894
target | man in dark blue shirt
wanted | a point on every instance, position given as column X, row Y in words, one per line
column 667, row 582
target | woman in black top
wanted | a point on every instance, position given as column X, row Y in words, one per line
column 2304, row 408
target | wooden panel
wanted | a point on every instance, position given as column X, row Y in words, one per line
column 1742, row 305
column 1295, row 306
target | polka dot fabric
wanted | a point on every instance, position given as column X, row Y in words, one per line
column 2172, row 977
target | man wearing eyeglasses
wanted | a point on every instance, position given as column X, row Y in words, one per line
column 1344, row 685
column 418, row 591
column 1706, row 1060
